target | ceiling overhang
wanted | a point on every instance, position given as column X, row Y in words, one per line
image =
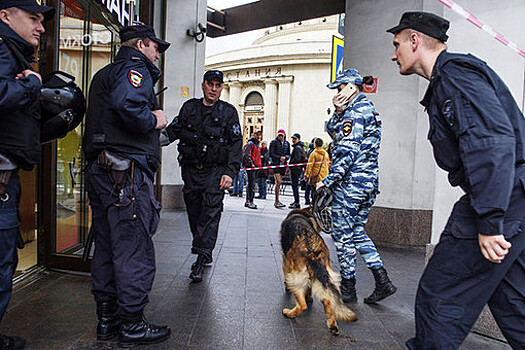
column 268, row 13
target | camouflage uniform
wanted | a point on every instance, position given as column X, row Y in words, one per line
column 353, row 180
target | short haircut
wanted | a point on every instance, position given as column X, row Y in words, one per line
column 319, row 142
column 429, row 42
column 133, row 42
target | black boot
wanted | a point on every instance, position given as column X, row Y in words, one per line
column 11, row 343
column 197, row 269
column 348, row 290
column 135, row 330
column 384, row 287
column 108, row 320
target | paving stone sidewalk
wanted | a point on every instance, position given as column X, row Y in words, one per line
column 239, row 303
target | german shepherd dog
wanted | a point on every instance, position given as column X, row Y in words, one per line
column 307, row 268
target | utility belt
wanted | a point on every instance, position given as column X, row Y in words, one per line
column 7, row 168
column 116, row 166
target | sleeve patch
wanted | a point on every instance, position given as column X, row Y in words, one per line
column 135, row 78
column 347, row 127
column 237, row 129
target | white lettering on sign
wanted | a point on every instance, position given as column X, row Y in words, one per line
column 85, row 40
column 119, row 8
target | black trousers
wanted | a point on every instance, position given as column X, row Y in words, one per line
column 123, row 266
column 9, row 233
column 458, row 281
column 250, row 189
column 295, row 174
column 204, row 205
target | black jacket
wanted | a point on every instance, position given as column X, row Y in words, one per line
column 208, row 135
column 478, row 134
column 298, row 153
column 119, row 117
column 279, row 149
column 19, row 101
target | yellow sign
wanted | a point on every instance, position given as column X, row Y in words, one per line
column 184, row 91
column 338, row 48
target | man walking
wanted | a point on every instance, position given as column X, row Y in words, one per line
column 478, row 134
column 121, row 146
column 20, row 30
column 252, row 159
column 210, row 152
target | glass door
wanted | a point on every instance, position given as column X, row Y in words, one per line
column 84, row 46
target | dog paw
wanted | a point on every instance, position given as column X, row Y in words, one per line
column 288, row 313
column 334, row 330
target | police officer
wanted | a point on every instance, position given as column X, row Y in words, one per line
column 478, row 134
column 355, row 128
column 121, row 146
column 210, row 152
column 20, row 30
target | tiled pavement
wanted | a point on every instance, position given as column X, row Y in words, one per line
column 237, row 306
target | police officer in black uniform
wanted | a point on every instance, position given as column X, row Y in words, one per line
column 210, row 150
column 20, row 30
column 121, row 146
column 478, row 135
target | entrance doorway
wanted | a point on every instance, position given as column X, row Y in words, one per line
column 86, row 42
column 253, row 115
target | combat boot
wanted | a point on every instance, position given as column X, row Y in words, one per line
column 384, row 287
column 197, row 269
column 108, row 320
column 348, row 290
column 135, row 330
column 11, row 343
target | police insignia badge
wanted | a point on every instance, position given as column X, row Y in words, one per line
column 237, row 129
column 135, row 78
column 347, row 127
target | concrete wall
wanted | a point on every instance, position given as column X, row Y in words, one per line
column 184, row 67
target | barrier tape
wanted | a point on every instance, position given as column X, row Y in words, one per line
column 478, row 23
column 284, row 165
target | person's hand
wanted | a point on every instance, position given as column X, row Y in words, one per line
column 226, row 182
column 319, row 185
column 494, row 248
column 162, row 120
column 339, row 102
column 283, row 159
column 27, row 72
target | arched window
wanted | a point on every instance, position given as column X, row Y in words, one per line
column 254, row 99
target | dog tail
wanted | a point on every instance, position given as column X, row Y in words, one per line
column 325, row 286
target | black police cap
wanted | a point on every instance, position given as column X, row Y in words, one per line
column 142, row 31
column 213, row 75
column 424, row 22
column 33, row 6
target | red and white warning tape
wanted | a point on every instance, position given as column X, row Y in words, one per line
column 284, row 165
column 475, row 21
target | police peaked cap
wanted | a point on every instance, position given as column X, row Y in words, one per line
column 424, row 22
column 142, row 31
column 33, row 6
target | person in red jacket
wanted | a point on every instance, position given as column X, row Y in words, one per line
column 252, row 158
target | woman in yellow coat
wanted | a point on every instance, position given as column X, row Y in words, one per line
column 316, row 172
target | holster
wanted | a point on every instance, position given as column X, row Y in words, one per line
column 117, row 167
column 7, row 167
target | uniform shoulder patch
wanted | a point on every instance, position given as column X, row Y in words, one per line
column 347, row 127
column 135, row 78
column 236, row 129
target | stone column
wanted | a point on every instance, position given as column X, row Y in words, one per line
column 225, row 96
column 235, row 95
column 270, row 109
column 283, row 115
